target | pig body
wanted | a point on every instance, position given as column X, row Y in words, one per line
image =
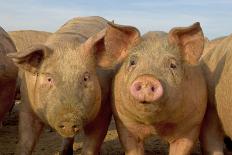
column 63, row 86
column 160, row 89
column 8, row 74
column 216, row 65
column 209, row 45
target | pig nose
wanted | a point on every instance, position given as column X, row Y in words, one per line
column 146, row 89
column 68, row 128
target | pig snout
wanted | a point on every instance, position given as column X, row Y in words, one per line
column 68, row 127
column 146, row 89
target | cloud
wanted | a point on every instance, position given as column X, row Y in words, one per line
column 147, row 15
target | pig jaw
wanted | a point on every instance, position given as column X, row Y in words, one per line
column 68, row 120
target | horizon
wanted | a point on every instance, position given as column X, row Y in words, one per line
column 146, row 16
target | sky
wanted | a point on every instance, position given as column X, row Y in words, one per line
column 215, row 16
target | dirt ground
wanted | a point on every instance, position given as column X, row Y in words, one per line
column 50, row 142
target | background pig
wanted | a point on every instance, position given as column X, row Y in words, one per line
column 210, row 44
column 23, row 39
column 8, row 74
column 159, row 89
column 216, row 65
column 66, row 85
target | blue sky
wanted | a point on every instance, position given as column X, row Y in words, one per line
column 215, row 16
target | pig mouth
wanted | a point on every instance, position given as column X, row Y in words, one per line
column 68, row 129
column 144, row 102
column 69, row 133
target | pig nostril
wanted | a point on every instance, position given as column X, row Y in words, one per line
column 153, row 89
column 138, row 87
column 74, row 126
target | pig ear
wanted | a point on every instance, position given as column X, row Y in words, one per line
column 111, row 44
column 190, row 40
column 30, row 59
column 118, row 39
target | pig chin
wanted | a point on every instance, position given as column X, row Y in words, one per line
column 69, row 132
column 146, row 103
column 68, row 127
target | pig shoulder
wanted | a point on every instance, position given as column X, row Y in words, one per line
column 79, row 28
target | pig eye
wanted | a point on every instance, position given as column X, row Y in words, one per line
column 86, row 76
column 132, row 61
column 49, row 79
column 173, row 64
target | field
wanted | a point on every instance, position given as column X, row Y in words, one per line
column 50, row 142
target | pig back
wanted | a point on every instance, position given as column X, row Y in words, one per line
column 210, row 45
column 78, row 29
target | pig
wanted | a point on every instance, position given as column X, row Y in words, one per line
column 67, row 84
column 23, row 39
column 8, row 74
column 210, row 44
column 159, row 88
column 216, row 65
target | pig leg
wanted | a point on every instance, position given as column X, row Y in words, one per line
column 211, row 133
column 30, row 128
column 6, row 100
column 184, row 145
column 228, row 143
column 95, row 132
column 132, row 145
column 67, row 147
